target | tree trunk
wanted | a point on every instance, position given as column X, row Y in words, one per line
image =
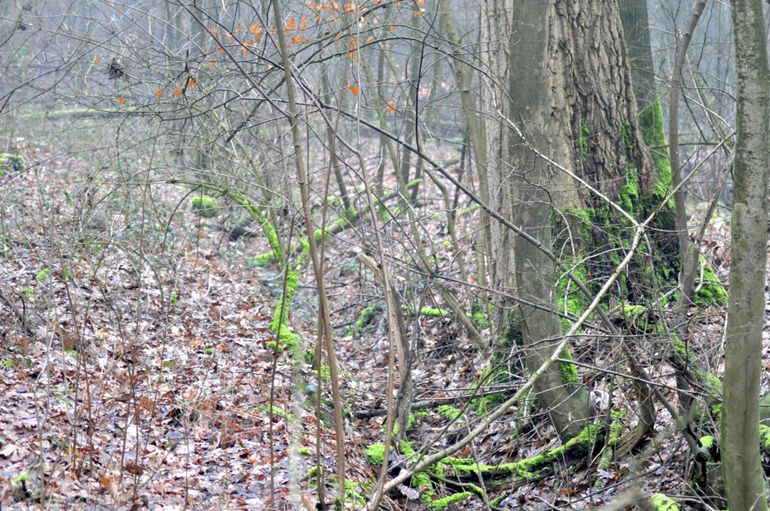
column 496, row 23
column 744, row 479
column 574, row 104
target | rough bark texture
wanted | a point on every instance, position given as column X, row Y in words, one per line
column 744, row 479
column 496, row 25
column 574, row 101
column 636, row 26
column 592, row 98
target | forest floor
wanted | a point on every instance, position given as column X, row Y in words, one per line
column 135, row 371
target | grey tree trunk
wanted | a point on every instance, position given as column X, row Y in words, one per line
column 636, row 26
column 567, row 402
column 744, row 479
column 572, row 99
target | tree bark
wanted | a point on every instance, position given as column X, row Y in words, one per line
column 744, row 478
column 572, row 99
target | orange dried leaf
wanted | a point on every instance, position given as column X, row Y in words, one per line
column 291, row 24
column 420, row 3
column 177, row 92
column 192, row 82
column 213, row 62
column 221, row 50
column 121, row 101
column 370, row 39
column 97, row 59
column 352, row 54
column 392, row 28
column 256, row 29
column 350, row 7
column 303, row 24
column 354, row 89
column 391, row 106
column 158, row 93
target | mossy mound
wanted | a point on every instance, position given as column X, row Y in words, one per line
column 205, row 206
column 11, row 163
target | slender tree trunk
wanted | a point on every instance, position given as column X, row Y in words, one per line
column 476, row 134
column 496, row 23
column 744, row 479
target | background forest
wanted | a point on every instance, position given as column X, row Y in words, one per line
column 384, row 254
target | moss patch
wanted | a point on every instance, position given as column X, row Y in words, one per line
column 480, row 316
column 434, row 312
column 764, row 438
column 568, row 370
column 375, row 453
column 616, row 428
column 711, row 291
column 205, row 205
column 11, row 163
column 660, row 502
column 443, row 503
column 450, row 412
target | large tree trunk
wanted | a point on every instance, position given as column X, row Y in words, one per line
column 573, row 101
column 744, row 480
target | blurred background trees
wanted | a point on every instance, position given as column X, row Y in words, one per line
column 495, row 166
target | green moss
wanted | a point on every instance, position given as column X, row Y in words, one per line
column 711, row 382
column 338, row 225
column 264, row 259
column 284, row 336
column 352, row 494
column 375, row 453
column 24, row 476
column 434, row 312
column 277, row 411
column 411, row 422
column 42, row 275
column 450, row 412
column 480, row 316
column 205, row 205
column 764, row 438
column 527, row 468
column 662, row 503
column 583, row 140
column 476, row 490
column 568, row 370
column 616, row 428
column 305, row 451
column 443, row 503
column 629, row 192
column 311, row 473
column 628, row 138
column 651, row 123
column 707, row 442
column 368, row 313
column 711, row 291
column 11, row 163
